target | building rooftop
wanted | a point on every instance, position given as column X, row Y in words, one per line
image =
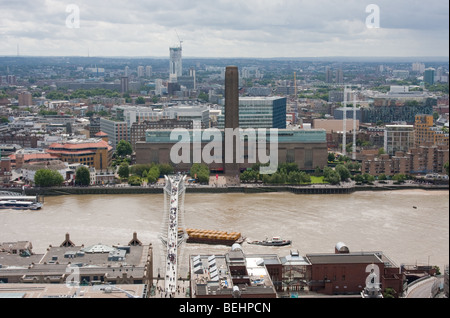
column 79, row 144
column 96, row 255
column 62, row 291
column 211, row 275
column 52, row 165
column 349, row 258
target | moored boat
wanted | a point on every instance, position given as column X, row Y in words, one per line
column 20, row 205
column 275, row 241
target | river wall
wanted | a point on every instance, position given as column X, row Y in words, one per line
column 317, row 189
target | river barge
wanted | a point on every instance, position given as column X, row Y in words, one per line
column 214, row 237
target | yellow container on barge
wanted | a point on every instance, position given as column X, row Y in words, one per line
column 213, row 237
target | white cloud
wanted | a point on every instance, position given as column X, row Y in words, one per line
column 226, row 28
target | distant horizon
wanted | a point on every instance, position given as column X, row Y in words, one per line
column 327, row 58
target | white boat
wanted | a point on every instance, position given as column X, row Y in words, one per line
column 20, row 205
column 275, row 241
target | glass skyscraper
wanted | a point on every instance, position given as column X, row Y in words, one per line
column 260, row 112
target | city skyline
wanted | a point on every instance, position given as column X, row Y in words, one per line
column 225, row 29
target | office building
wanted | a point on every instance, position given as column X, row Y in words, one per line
column 94, row 126
column 95, row 153
column 141, row 71
column 233, row 275
column 138, row 129
column 30, row 156
column 392, row 113
column 29, row 170
column 334, row 125
column 339, row 76
column 25, row 99
column 338, row 114
column 345, row 273
column 328, row 75
column 148, row 71
column 176, row 63
column 398, row 138
column 116, row 131
column 99, row 264
column 259, row 112
column 336, row 96
column 124, row 84
column 160, row 89
column 428, row 76
column 426, row 132
column 182, row 112
column 400, row 74
column 418, row 67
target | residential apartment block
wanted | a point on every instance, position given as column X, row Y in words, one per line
column 418, row 160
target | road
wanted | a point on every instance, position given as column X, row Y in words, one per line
column 423, row 289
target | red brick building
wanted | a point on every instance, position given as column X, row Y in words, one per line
column 346, row 273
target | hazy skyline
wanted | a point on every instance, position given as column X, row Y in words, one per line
column 225, row 28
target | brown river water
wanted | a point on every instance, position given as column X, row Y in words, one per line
column 409, row 226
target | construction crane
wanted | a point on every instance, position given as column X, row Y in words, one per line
column 179, row 40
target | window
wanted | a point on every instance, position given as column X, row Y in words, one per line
column 290, row 156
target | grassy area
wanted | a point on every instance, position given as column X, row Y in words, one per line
column 317, row 180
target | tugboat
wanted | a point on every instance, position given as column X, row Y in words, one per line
column 275, row 241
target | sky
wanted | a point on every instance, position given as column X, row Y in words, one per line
column 225, row 28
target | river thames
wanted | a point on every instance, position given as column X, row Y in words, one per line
column 409, row 226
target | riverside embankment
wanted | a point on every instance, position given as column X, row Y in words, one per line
column 344, row 188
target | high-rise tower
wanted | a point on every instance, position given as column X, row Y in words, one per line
column 176, row 65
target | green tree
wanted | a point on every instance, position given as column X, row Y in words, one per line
column 318, row 172
column 139, row 169
column 134, row 181
column 446, row 167
column 359, row 178
column 331, row 157
column 249, row 176
column 294, row 177
column 279, row 178
column 343, row 172
column 124, row 171
column 400, row 178
column 48, row 178
column 140, row 100
column 82, row 176
column 287, row 168
column 165, row 169
column 331, row 175
column 200, row 172
column 203, row 96
column 124, row 148
column 389, row 293
column 153, row 174
column 368, row 178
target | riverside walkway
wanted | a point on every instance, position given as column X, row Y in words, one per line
column 171, row 238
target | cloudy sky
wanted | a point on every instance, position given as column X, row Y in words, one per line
column 225, row 28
